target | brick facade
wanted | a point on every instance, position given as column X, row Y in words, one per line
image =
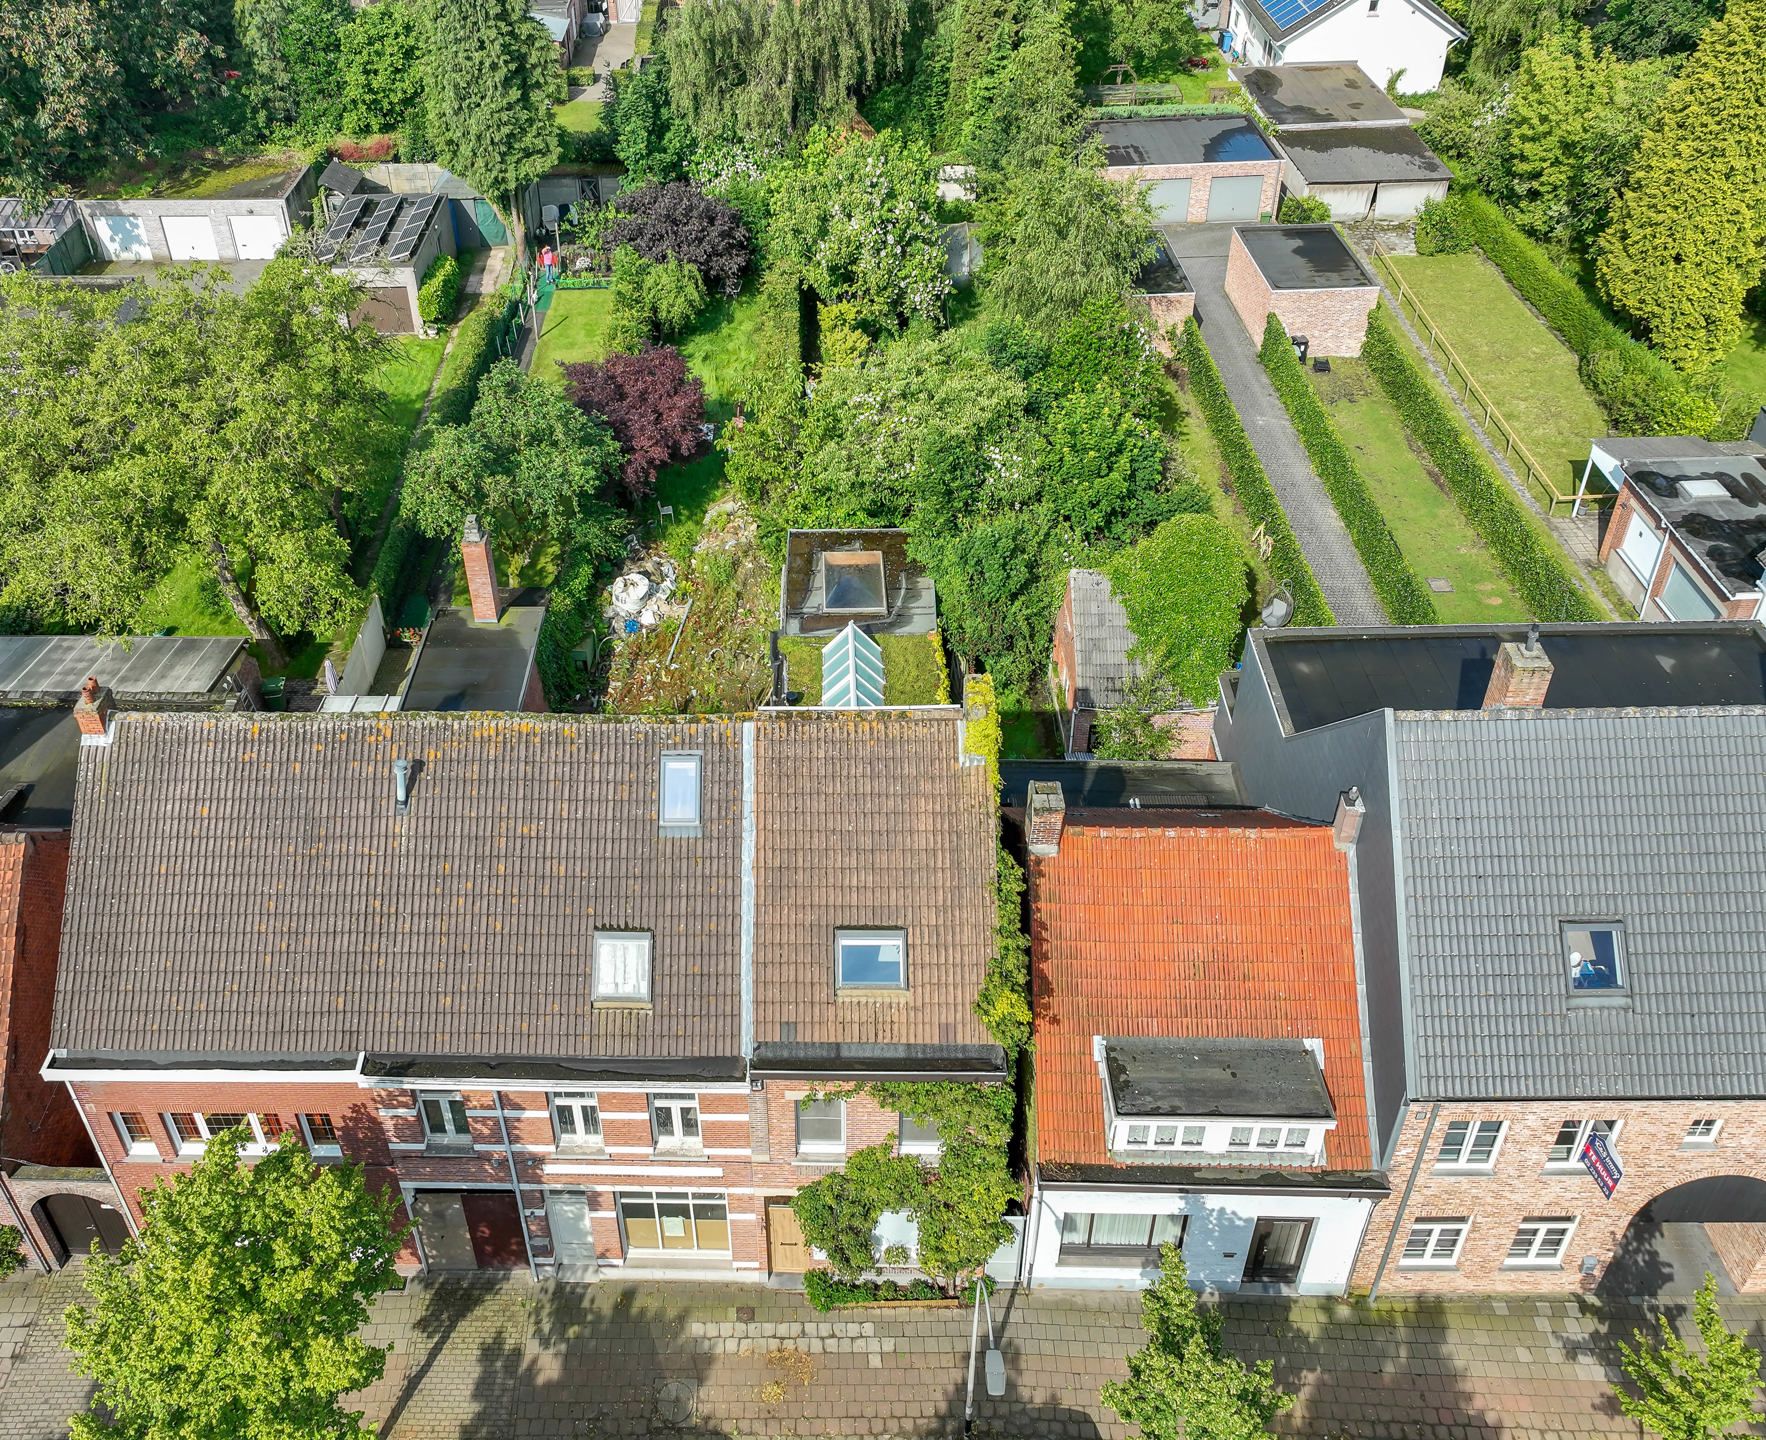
column 1166, row 314
column 1202, row 176
column 1742, row 607
column 1334, row 322
column 1519, row 1185
column 481, row 572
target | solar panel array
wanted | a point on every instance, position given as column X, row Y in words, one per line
column 1291, row 12
column 411, row 227
column 375, row 230
column 341, row 224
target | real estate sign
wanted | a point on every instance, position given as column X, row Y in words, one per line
column 1598, row 1159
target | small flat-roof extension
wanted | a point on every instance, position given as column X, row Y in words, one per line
column 1304, row 257
column 1362, row 154
column 1237, row 1078
column 1294, row 96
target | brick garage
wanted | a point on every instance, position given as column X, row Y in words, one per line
column 1519, row 1184
column 1195, row 168
column 1309, row 277
column 1165, row 295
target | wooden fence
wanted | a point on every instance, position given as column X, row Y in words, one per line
column 1494, row 422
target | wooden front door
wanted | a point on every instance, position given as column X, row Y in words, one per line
column 493, row 1220
column 786, row 1252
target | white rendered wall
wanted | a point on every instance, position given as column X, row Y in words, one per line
column 1397, row 36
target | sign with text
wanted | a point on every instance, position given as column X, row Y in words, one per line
column 1598, row 1159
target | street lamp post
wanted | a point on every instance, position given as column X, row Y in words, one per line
column 994, row 1368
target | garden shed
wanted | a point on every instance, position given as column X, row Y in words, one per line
column 51, row 241
column 1195, row 168
column 1306, row 275
column 1166, row 294
column 386, row 243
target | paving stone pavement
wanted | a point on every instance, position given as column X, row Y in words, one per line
column 505, row 1359
column 1320, row 530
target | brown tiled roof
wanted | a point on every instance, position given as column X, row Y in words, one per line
column 1224, row 925
column 242, row 885
column 871, row 821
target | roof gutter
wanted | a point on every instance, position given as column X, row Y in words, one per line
column 991, row 1074
column 1416, row 1166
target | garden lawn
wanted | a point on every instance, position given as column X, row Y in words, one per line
column 1202, row 458
column 579, row 117
column 200, row 182
column 720, row 346
column 575, row 329
column 913, row 668
column 405, row 378
column 1429, row 528
column 1528, row 373
column 1746, row 366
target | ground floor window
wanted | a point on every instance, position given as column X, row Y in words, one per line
column 1541, row 1241
column 1434, row 1242
column 1084, row 1233
column 674, row 1221
column 1278, row 1250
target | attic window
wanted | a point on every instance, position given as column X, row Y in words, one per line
column 870, row 960
column 678, row 809
column 622, row 967
column 1594, row 957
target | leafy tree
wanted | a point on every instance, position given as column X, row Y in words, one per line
column 1102, row 465
column 1462, row 124
column 764, row 70
column 651, row 403
column 1148, row 34
column 650, row 138
column 1182, row 1383
column 1131, row 731
column 678, row 221
column 984, row 34
column 1184, row 589
column 1646, row 29
column 961, row 1211
column 235, row 1312
column 839, row 1212
column 1681, row 1394
column 312, row 45
column 267, row 84
column 856, row 217
column 381, row 67
column 651, row 300
column 79, row 80
column 1502, row 30
column 1688, row 239
column 1025, row 113
column 490, row 76
column 528, row 461
column 1058, row 237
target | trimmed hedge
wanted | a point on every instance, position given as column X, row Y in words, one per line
column 1401, row 589
column 1639, row 390
column 825, row 1291
column 440, row 291
column 1533, row 564
column 1255, row 492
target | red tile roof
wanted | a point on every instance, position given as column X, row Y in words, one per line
column 1232, row 925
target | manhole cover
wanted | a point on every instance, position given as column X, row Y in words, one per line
column 745, row 1313
column 1440, row 586
column 675, row 1400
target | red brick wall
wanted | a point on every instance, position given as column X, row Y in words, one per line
column 1649, row 1147
column 1202, row 177
column 1246, row 289
column 40, row 1123
column 1619, row 521
column 1333, row 321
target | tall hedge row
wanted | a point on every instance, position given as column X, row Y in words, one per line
column 1534, row 565
column 1250, row 482
column 1639, row 390
column 1401, row 589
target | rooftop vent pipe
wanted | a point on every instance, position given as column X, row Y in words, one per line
column 401, row 778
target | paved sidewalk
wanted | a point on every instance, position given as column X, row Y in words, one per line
column 1320, row 530
column 478, row 1359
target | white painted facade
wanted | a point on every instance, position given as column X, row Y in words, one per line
column 1383, row 37
column 1218, row 1231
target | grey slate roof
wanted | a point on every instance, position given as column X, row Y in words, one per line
column 241, row 885
column 1101, row 641
column 1511, row 822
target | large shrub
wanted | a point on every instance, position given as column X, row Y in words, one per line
column 440, row 291
column 650, row 402
column 1250, row 482
column 1534, row 565
column 1399, row 587
column 1441, row 228
column 678, row 221
column 652, row 301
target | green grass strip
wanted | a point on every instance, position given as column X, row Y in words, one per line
column 1400, row 589
column 1286, row 560
column 1535, row 566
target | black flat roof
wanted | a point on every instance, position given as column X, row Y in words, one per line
column 1110, row 785
column 1360, row 154
column 1717, row 506
column 1323, row 676
column 1162, row 275
column 39, row 759
column 467, row 666
column 1304, row 257
column 1230, row 1078
column 1182, row 140
column 1320, row 94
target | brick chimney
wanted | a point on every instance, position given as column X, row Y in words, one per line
column 1521, row 677
column 1046, row 817
column 1351, row 810
column 481, row 572
column 92, row 711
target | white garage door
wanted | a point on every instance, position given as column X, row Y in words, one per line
column 1235, row 197
column 258, row 237
column 1170, row 200
column 191, row 237
column 121, row 237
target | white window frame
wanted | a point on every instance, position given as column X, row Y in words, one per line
column 456, row 1127
column 1621, row 958
column 843, row 937
column 581, row 1104
column 321, row 1150
column 677, row 1103
column 905, row 1146
column 1675, row 568
column 693, row 762
column 820, row 1147
column 1535, row 1258
column 1460, row 1165
column 143, row 1149
column 1582, row 1132
column 1458, row 1226
column 257, row 1145
column 1697, row 1138
column 605, row 989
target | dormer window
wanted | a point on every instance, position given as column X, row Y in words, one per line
column 678, row 808
column 870, row 960
column 1594, row 957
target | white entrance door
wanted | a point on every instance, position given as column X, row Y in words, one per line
column 573, row 1242
column 190, row 237
column 258, row 237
